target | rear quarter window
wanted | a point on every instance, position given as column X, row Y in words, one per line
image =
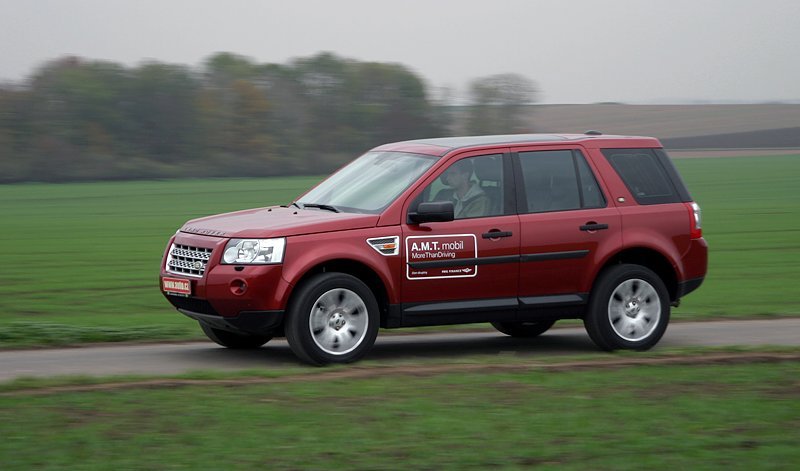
column 646, row 176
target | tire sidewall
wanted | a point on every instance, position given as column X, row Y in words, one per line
column 597, row 320
column 298, row 333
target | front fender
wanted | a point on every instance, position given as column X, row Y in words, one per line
column 305, row 253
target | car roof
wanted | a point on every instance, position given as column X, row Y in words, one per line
column 443, row 145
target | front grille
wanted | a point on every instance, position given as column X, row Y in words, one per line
column 185, row 260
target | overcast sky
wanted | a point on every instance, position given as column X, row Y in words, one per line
column 578, row 51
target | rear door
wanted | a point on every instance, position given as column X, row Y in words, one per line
column 567, row 223
column 465, row 270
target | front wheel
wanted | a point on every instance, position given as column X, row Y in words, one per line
column 332, row 318
column 629, row 308
column 233, row 340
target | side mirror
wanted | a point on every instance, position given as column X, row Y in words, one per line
column 435, row 211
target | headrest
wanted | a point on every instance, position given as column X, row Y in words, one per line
column 489, row 168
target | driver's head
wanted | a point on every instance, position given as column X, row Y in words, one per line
column 459, row 173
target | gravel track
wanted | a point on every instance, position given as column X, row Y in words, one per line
column 178, row 358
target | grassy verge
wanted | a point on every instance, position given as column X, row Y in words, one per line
column 81, row 259
column 741, row 416
column 416, row 366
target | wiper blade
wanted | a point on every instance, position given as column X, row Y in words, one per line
column 295, row 203
column 326, row 207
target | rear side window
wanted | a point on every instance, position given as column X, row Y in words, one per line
column 644, row 174
column 558, row 180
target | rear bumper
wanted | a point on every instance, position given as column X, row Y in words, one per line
column 686, row 287
column 695, row 261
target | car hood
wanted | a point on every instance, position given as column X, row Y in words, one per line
column 277, row 222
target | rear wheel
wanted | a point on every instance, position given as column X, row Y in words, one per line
column 332, row 318
column 628, row 309
column 233, row 340
column 523, row 329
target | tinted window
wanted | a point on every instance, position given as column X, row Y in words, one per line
column 590, row 191
column 550, row 179
column 474, row 185
column 643, row 174
column 674, row 176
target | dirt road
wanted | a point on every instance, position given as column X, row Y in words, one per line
column 175, row 358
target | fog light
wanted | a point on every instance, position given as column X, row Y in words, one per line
column 238, row 287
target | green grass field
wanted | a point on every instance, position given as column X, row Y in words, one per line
column 744, row 416
column 751, row 219
column 81, row 260
column 86, row 256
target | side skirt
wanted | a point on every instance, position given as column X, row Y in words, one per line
column 532, row 308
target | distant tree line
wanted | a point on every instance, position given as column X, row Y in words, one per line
column 77, row 119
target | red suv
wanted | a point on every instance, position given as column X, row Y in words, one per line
column 518, row 230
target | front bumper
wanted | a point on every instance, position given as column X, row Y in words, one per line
column 247, row 322
column 238, row 298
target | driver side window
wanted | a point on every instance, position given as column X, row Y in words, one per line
column 474, row 185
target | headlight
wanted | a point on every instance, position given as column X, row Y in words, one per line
column 256, row 251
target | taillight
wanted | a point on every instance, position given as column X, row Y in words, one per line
column 695, row 220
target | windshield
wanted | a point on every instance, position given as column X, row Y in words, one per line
column 369, row 183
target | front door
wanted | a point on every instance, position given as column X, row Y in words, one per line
column 464, row 270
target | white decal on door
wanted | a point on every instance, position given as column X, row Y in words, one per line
column 441, row 248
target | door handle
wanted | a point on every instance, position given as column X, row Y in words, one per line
column 593, row 226
column 495, row 234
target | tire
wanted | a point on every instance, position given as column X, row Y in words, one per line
column 629, row 309
column 523, row 329
column 233, row 340
column 332, row 318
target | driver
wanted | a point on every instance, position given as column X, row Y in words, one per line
column 468, row 198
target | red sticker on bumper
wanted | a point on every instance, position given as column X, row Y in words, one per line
column 176, row 286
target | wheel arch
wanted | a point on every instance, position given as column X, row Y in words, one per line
column 356, row 269
column 650, row 258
